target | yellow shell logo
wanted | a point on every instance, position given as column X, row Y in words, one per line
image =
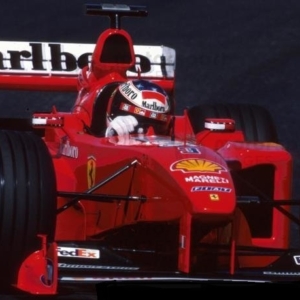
column 197, row 165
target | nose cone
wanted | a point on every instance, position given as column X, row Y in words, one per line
column 207, row 184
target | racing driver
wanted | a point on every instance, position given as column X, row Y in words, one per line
column 138, row 107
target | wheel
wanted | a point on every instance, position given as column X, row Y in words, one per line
column 255, row 121
column 257, row 125
column 27, row 198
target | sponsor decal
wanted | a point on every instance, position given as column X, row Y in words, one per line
column 70, row 58
column 91, row 171
column 297, row 259
column 78, row 252
column 214, row 197
column 99, row 278
column 139, row 111
column 129, row 91
column 148, row 100
column 211, row 189
column 146, row 113
column 206, row 178
column 67, row 149
column 125, row 106
column 153, row 106
column 189, row 150
column 197, row 165
column 163, row 117
column 153, row 115
column 77, row 266
column 155, row 279
column 282, row 273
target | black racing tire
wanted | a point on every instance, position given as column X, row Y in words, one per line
column 27, row 199
column 253, row 120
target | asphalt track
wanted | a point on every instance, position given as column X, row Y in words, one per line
column 245, row 51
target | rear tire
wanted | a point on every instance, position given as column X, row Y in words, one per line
column 27, row 199
column 255, row 121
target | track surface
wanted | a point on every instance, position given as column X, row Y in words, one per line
column 227, row 51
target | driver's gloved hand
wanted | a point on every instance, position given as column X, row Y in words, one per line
column 122, row 125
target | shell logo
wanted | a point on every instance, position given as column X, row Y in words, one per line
column 197, row 165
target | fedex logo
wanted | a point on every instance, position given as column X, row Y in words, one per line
column 78, row 252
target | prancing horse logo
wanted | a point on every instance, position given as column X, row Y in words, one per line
column 91, row 171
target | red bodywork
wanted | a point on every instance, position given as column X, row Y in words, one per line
column 167, row 179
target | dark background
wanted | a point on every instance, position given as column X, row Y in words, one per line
column 227, row 51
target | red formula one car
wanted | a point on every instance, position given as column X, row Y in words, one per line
column 209, row 200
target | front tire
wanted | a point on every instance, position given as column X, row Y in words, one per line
column 27, row 199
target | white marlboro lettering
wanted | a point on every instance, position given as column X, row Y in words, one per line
column 129, row 91
column 70, row 58
column 69, row 150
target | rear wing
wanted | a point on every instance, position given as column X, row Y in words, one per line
column 55, row 66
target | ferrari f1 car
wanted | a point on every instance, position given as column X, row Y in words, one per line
column 209, row 200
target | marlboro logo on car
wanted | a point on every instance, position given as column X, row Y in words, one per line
column 70, row 58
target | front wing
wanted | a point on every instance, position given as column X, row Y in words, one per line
column 113, row 265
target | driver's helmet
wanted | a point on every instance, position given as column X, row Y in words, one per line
column 146, row 101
